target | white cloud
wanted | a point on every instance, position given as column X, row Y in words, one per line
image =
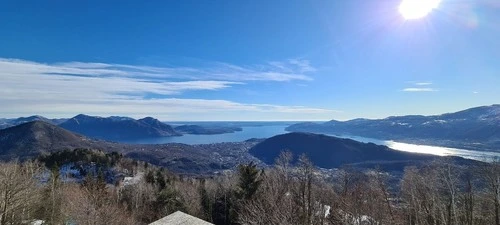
column 286, row 71
column 423, row 83
column 419, row 89
column 70, row 77
column 70, row 88
column 166, row 109
column 274, row 71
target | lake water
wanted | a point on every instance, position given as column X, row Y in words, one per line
column 433, row 150
column 248, row 132
column 267, row 131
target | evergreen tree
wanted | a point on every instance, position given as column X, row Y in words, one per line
column 205, row 201
column 224, row 210
column 168, row 201
column 249, row 182
column 160, row 180
column 51, row 205
column 150, row 177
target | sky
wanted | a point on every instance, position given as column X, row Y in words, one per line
column 257, row 60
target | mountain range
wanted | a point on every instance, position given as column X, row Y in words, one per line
column 117, row 128
column 5, row 123
column 32, row 139
column 475, row 128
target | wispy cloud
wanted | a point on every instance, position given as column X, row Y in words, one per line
column 293, row 66
column 302, row 65
column 20, row 78
column 423, row 83
column 166, row 109
column 119, row 78
column 276, row 71
column 70, row 88
column 419, row 89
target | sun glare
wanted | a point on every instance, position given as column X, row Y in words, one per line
column 415, row 9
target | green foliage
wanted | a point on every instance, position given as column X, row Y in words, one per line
column 249, row 181
column 168, row 201
column 205, row 200
column 160, row 180
column 81, row 156
column 150, row 177
column 94, row 183
column 224, row 210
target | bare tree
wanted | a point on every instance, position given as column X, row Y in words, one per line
column 92, row 206
column 18, row 191
column 304, row 191
column 190, row 196
column 491, row 174
column 272, row 203
column 447, row 181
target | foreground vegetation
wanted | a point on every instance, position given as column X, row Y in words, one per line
column 439, row 193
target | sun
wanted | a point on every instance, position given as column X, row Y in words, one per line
column 416, row 9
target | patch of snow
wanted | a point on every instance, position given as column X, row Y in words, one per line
column 327, row 210
column 133, row 180
column 37, row 222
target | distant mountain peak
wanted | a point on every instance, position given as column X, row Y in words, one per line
column 118, row 128
column 32, row 117
column 82, row 116
column 5, row 123
column 149, row 119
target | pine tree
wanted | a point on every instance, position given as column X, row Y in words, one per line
column 249, row 180
column 160, row 180
column 51, row 210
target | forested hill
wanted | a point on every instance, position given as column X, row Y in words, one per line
column 33, row 138
column 330, row 152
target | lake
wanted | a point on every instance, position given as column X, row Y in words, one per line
column 248, row 132
column 485, row 156
column 266, row 131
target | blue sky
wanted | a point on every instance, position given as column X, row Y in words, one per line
column 246, row 60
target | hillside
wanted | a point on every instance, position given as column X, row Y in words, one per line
column 475, row 128
column 33, row 138
column 331, row 152
column 118, row 128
